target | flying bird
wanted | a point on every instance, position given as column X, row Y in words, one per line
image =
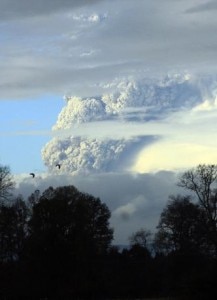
column 33, row 175
column 58, row 165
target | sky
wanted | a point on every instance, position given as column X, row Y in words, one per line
column 115, row 91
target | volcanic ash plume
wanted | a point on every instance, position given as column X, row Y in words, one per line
column 78, row 154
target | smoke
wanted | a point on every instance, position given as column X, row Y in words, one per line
column 133, row 101
column 78, row 111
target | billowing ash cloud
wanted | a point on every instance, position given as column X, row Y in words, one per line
column 80, row 110
column 157, row 98
column 79, row 154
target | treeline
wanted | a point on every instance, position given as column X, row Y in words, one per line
column 58, row 245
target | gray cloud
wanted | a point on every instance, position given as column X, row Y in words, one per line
column 80, row 49
column 12, row 9
column 209, row 6
column 135, row 200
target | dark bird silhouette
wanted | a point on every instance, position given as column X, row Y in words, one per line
column 33, row 175
column 58, row 165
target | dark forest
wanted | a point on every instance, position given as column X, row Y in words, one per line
column 58, row 245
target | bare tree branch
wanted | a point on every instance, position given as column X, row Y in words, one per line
column 6, row 182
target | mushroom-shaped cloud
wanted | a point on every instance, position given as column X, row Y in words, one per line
column 88, row 154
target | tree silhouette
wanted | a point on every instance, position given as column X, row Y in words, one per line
column 202, row 181
column 68, row 231
column 187, row 254
column 13, row 230
column 72, row 217
column 141, row 237
column 57, row 245
column 181, row 226
column 6, row 183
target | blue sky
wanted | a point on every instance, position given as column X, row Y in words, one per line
column 141, row 77
column 21, row 122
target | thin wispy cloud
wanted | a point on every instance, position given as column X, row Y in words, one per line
column 26, row 133
column 189, row 124
column 204, row 7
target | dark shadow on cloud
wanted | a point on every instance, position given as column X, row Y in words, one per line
column 178, row 95
column 15, row 9
column 153, row 114
column 212, row 5
column 167, row 97
column 140, row 116
column 128, row 156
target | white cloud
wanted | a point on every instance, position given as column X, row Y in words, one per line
column 174, row 155
column 78, row 110
column 207, row 105
column 144, row 125
column 95, row 134
column 128, row 210
column 92, row 18
column 83, row 155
